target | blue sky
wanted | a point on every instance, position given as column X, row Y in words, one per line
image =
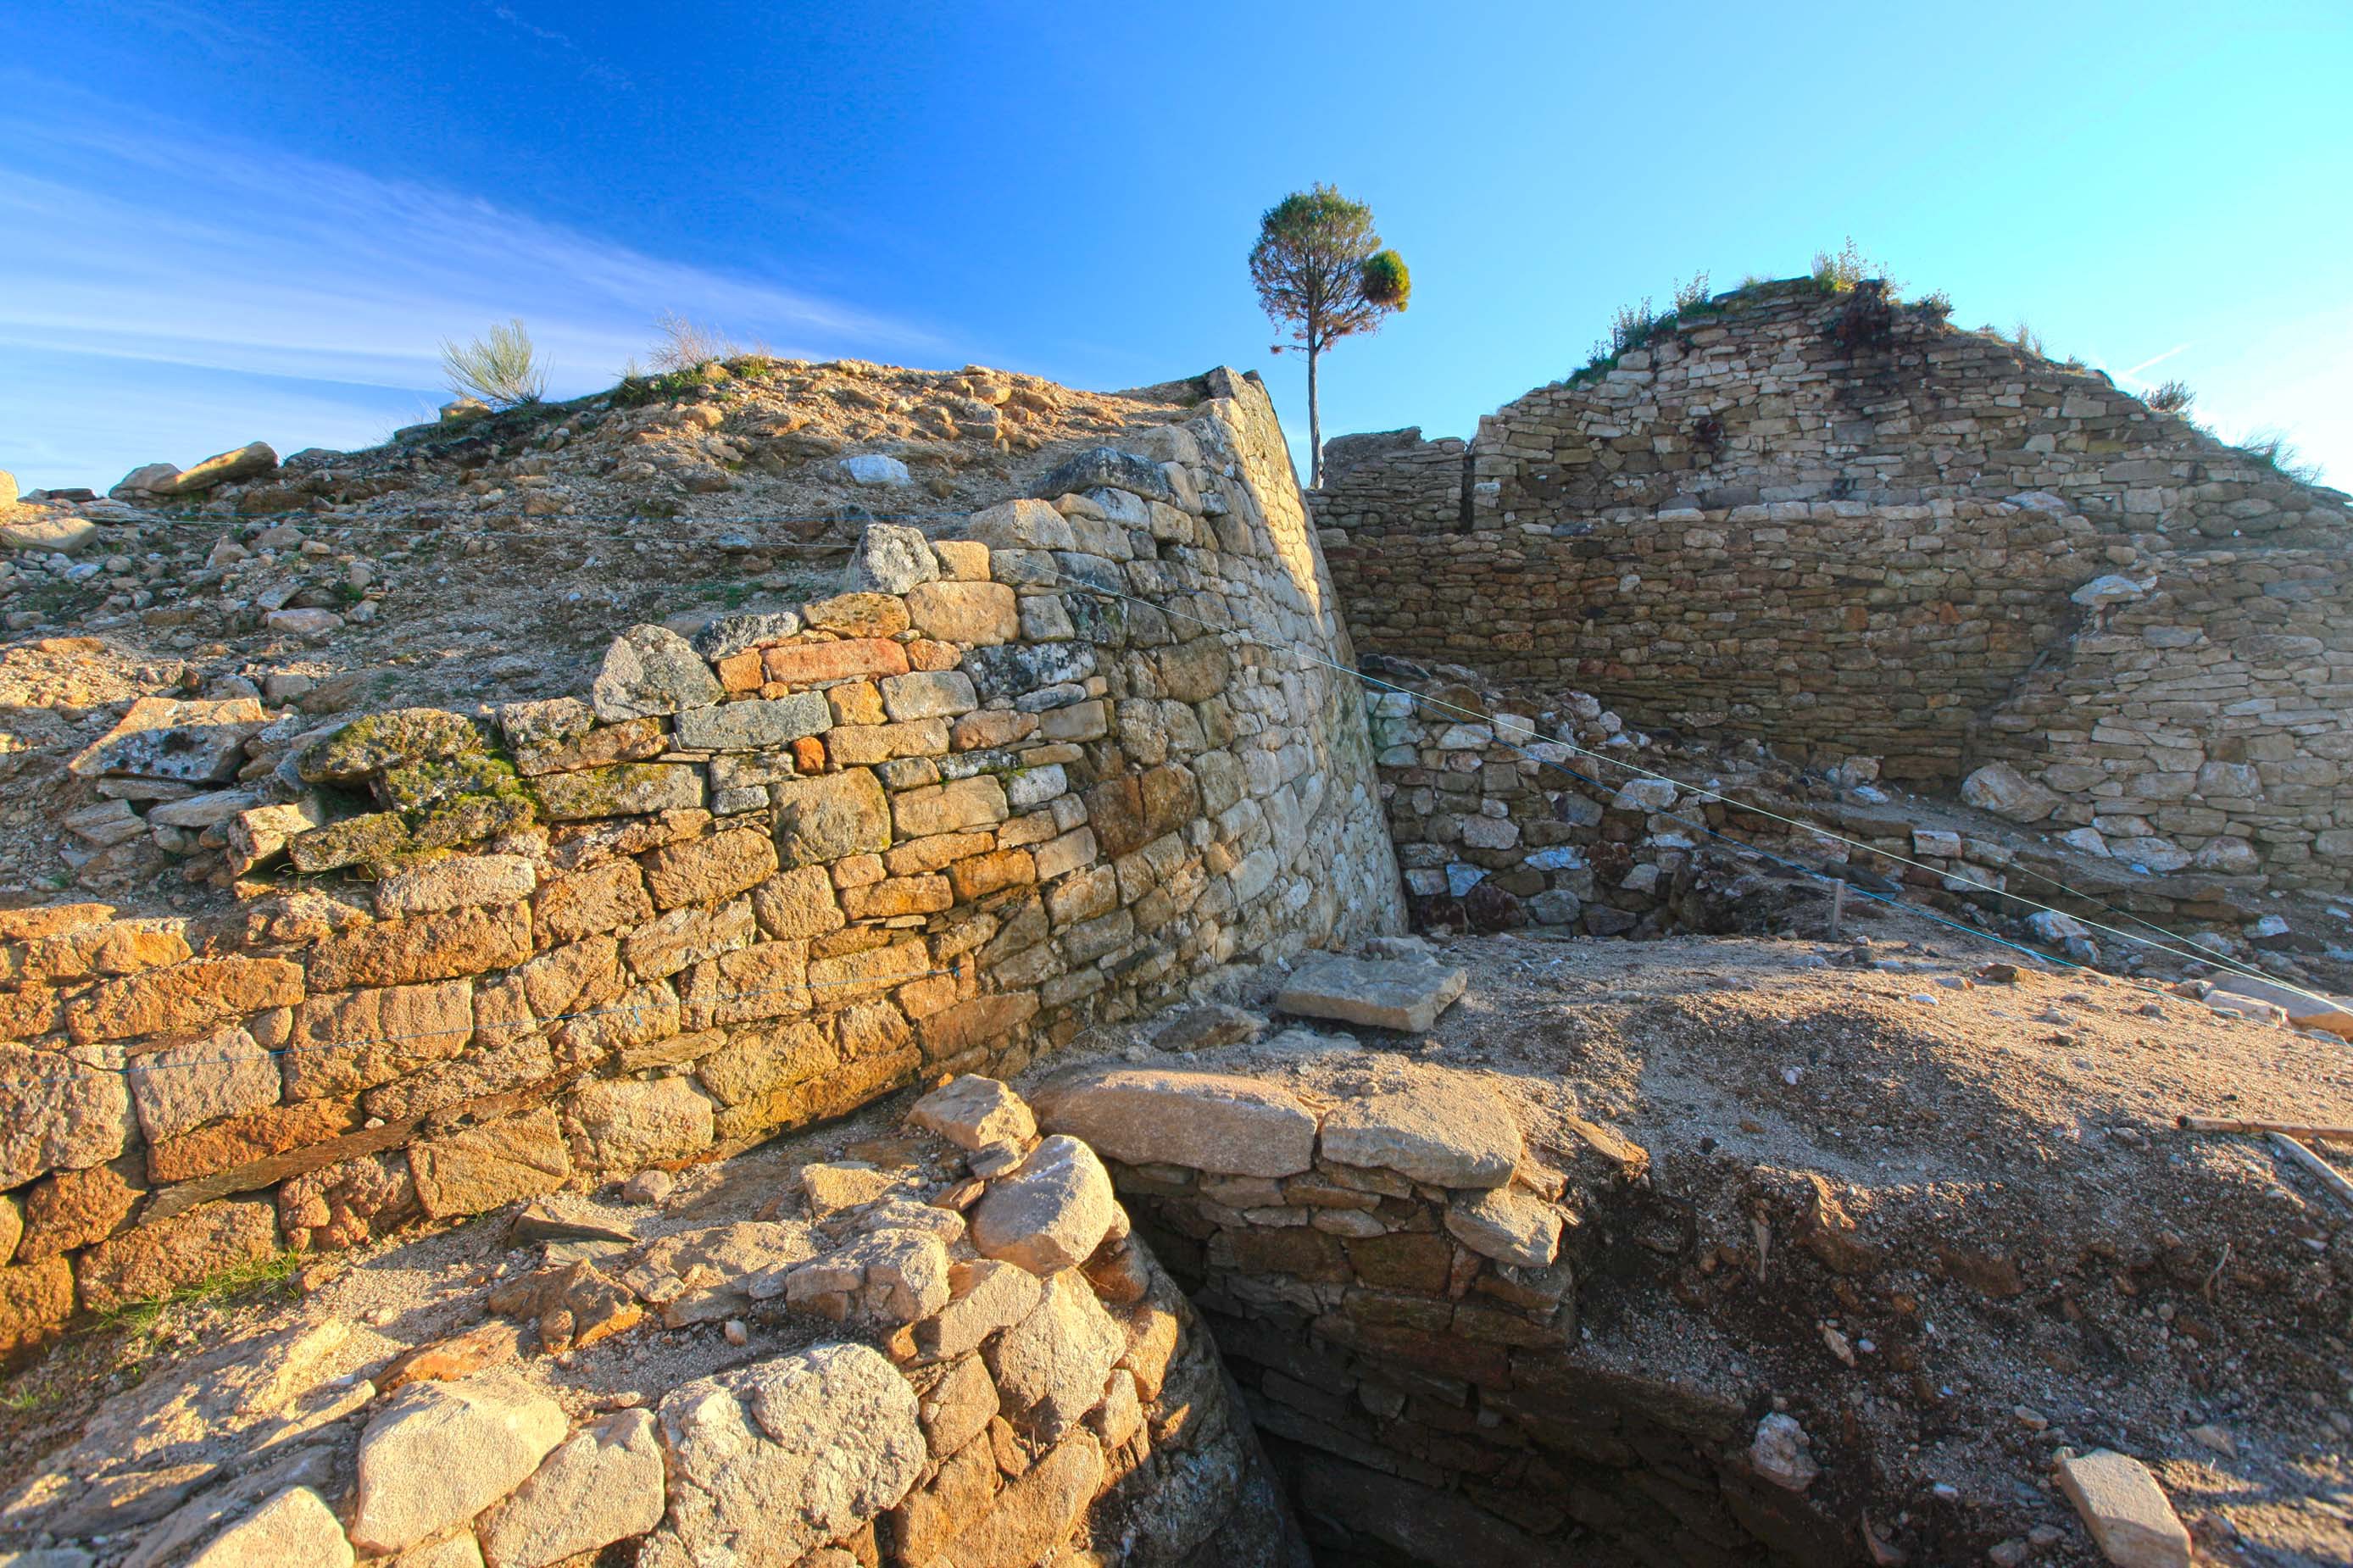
column 228, row 220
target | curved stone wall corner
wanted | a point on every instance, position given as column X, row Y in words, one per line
column 1042, row 767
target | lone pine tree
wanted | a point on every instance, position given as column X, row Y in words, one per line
column 1321, row 270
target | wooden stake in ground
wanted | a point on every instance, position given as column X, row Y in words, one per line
column 2288, row 1129
column 2327, row 1174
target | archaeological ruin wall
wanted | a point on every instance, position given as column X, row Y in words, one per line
column 1039, row 769
column 1395, row 1281
column 1835, row 523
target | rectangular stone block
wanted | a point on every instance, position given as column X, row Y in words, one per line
column 853, row 658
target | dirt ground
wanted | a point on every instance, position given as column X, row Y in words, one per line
column 1947, row 1223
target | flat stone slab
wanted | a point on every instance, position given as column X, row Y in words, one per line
column 1444, row 1129
column 1204, row 1120
column 1384, row 994
column 2125, row 1510
column 2305, row 1009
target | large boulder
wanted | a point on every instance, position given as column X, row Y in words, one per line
column 892, row 558
column 251, row 461
column 603, row 1484
column 1051, row 1213
column 439, row 1453
column 2004, row 791
column 771, row 1460
column 651, row 670
column 296, row 1529
column 1053, row 1365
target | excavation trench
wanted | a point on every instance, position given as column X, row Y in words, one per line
column 1423, row 1405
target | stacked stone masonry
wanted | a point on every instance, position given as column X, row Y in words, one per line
column 1394, row 1281
column 1839, row 525
column 1033, row 772
column 1530, row 809
column 997, row 1374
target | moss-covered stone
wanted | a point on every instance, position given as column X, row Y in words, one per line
column 378, row 838
column 628, row 789
column 429, row 786
column 402, row 738
column 471, row 819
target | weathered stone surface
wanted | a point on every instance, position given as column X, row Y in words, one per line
column 627, row 789
column 626, row 1124
column 972, row 1111
column 51, row 532
column 1052, row 1365
column 1051, row 1213
column 772, row 1459
column 927, row 695
column 35, row 1301
column 1208, row 1122
column 650, row 670
column 705, row 871
column 586, row 903
column 436, row 1454
column 826, row 818
column 601, row 1485
column 482, row 1167
column 756, row 723
column 1506, row 1226
column 250, row 461
column 798, row 904
column 68, row 1209
column 435, row 946
column 2125, row 1510
column 1037, row 1511
column 1207, row 1028
column 195, row 741
column 1107, row 467
column 153, row 1260
column 892, row 558
column 986, row 1296
column 852, row 658
column 731, row 635
column 976, row 615
column 1444, row 1129
column 1386, row 994
column 382, row 742
column 296, row 1529
column 57, row 1110
column 356, row 1039
column 2002, row 789
column 459, row 881
column 960, row 1406
column 956, row 807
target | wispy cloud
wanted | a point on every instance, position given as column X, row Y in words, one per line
column 154, row 245
column 2150, row 363
column 591, row 69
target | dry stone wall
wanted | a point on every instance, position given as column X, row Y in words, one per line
column 1842, row 526
column 1038, row 771
column 954, row 1370
column 1394, row 1280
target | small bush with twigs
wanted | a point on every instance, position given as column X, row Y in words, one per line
column 1837, row 272
column 2173, row 397
column 500, row 367
column 686, row 344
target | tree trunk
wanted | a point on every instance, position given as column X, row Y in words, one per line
column 1315, row 426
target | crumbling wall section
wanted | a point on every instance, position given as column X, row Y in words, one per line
column 1839, row 525
column 1043, row 769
